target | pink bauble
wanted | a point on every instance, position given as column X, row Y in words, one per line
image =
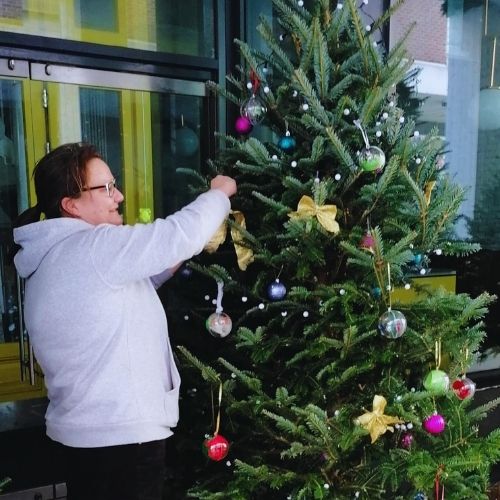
column 406, row 440
column 434, row 424
column 367, row 242
column 243, row 125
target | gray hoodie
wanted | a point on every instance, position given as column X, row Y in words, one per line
column 97, row 326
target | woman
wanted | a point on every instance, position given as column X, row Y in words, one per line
column 96, row 324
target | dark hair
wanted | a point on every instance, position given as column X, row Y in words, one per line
column 59, row 174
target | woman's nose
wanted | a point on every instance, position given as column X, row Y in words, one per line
column 118, row 196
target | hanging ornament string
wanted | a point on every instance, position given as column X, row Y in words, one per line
column 255, row 80
column 220, row 293
column 389, row 285
column 429, row 186
column 437, row 354
column 363, row 132
column 378, row 269
column 438, row 488
column 464, row 361
column 217, row 420
column 279, row 274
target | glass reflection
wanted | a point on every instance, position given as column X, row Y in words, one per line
column 101, row 125
column 13, row 200
column 185, row 27
column 177, row 124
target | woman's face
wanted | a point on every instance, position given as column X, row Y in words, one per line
column 100, row 199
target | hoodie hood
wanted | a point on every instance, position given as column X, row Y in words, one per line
column 38, row 239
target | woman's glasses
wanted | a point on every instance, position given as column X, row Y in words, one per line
column 109, row 186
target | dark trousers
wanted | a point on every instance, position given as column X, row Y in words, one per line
column 126, row 472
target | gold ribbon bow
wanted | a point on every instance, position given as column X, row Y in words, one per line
column 324, row 213
column 375, row 422
column 244, row 254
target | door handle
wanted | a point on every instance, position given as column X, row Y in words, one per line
column 21, row 328
column 25, row 346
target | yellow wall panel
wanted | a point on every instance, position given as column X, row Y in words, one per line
column 447, row 280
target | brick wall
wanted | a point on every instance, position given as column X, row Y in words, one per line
column 427, row 41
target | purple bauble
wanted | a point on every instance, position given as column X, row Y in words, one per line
column 186, row 272
column 434, row 424
column 406, row 440
column 276, row 290
column 243, row 125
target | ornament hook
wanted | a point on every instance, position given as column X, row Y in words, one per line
column 363, row 132
column 220, row 293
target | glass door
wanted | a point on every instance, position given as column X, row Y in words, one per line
column 144, row 127
column 17, row 378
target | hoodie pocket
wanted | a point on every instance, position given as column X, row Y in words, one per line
column 171, row 403
column 171, row 400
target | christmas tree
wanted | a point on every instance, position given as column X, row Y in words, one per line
column 327, row 385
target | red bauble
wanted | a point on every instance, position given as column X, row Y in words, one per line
column 464, row 388
column 243, row 125
column 217, row 447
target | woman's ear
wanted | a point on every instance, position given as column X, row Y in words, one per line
column 69, row 208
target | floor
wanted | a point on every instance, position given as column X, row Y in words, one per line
column 28, row 456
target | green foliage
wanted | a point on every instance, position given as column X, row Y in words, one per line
column 4, row 482
column 298, row 372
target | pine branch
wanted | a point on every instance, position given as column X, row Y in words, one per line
column 322, row 61
column 194, row 174
column 278, row 207
column 214, row 271
column 248, row 338
column 339, row 148
column 248, row 54
column 280, row 61
column 359, row 32
column 272, row 169
column 291, row 20
column 342, row 87
column 299, row 78
column 218, row 89
column 249, row 381
column 284, row 424
column 207, row 372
